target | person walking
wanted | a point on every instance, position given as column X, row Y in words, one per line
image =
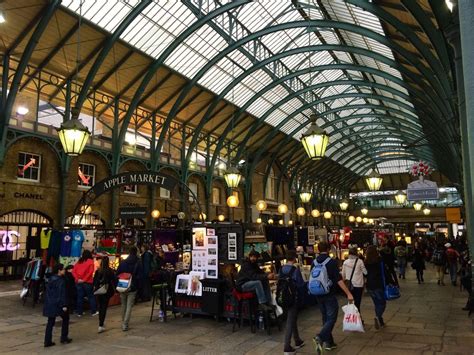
column 56, row 305
column 452, row 257
column 104, row 288
column 353, row 271
column 147, row 258
column 375, row 286
column 386, row 253
column 71, row 291
column 401, row 255
column 131, row 265
column 418, row 263
column 328, row 304
column 439, row 260
column 83, row 273
column 291, row 330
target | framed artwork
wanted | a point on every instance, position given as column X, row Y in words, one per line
column 182, row 284
column 199, row 238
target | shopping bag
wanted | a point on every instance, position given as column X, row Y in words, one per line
column 352, row 321
column 392, row 292
column 278, row 309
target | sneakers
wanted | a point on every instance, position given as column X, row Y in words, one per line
column 78, row 315
column 66, row 341
column 49, row 344
column 299, row 344
column 318, row 346
column 95, row 314
column 289, row 351
column 101, row 330
column 329, row 346
column 124, row 327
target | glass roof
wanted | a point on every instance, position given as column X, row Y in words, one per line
column 162, row 21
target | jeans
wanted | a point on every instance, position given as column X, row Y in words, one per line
column 378, row 297
column 261, row 288
column 453, row 271
column 292, row 327
column 128, row 300
column 402, row 264
column 103, row 303
column 48, row 335
column 85, row 289
column 440, row 273
column 357, row 293
column 329, row 309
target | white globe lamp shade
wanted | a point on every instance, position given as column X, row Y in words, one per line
column 327, row 215
column 315, row 213
column 221, row 218
column 282, row 208
column 261, row 205
column 155, row 214
column 232, row 201
column 300, row 211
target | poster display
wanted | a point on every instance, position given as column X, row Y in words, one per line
column 311, row 235
column 199, row 238
column 205, row 259
column 232, row 246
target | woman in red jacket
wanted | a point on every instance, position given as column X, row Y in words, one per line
column 83, row 273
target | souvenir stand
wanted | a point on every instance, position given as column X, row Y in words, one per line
column 215, row 249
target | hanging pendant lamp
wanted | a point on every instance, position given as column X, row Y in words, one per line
column 315, row 140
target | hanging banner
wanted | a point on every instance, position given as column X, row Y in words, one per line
column 420, row 190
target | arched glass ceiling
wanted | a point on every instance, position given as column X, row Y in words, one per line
column 162, row 21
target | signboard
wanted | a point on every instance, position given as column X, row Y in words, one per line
column 453, row 215
column 420, row 190
column 133, row 212
column 131, row 178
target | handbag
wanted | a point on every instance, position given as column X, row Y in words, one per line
column 102, row 290
column 391, row 292
column 349, row 284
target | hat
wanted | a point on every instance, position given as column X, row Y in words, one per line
column 447, row 245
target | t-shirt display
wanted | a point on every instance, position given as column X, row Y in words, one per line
column 66, row 242
column 76, row 245
column 45, row 236
column 54, row 248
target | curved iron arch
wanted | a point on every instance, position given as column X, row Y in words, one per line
column 281, row 55
column 319, row 23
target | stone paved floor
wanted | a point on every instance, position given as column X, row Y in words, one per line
column 427, row 320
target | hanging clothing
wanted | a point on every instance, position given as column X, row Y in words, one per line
column 54, row 248
column 45, row 237
column 66, row 242
column 77, row 240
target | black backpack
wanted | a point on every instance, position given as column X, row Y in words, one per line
column 286, row 290
column 439, row 257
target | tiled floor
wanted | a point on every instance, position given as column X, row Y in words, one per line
column 427, row 319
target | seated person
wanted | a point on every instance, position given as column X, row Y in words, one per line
column 252, row 278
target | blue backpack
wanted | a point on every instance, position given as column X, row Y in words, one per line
column 319, row 283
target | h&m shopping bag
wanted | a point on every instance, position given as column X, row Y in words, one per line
column 352, row 321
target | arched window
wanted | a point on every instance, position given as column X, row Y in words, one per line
column 270, row 189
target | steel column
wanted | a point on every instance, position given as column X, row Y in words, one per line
column 466, row 14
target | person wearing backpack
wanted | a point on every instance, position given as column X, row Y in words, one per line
column 452, row 257
column 439, row 260
column 324, row 277
column 353, row 271
column 401, row 255
column 129, row 268
column 290, row 289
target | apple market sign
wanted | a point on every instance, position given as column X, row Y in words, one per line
column 7, row 238
column 422, row 189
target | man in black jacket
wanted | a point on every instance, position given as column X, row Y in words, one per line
column 252, row 278
column 56, row 305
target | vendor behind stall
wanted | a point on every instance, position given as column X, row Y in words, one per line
column 252, row 278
